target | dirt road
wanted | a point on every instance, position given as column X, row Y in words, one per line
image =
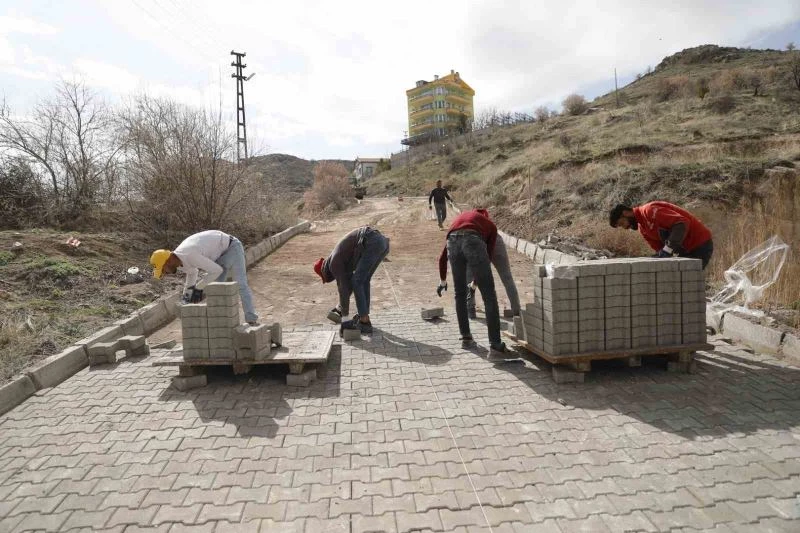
column 287, row 290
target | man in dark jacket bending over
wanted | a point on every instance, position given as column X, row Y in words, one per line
column 352, row 263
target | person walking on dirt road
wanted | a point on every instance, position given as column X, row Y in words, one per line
column 668, row 229
column 217, row 254
column 503, row 268
column 439, row 196
column 352, row 263
column 470, row 245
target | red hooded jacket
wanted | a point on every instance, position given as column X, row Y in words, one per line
column 656, row 219
column 476, row 220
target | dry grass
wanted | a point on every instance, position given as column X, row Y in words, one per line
column 750, row 227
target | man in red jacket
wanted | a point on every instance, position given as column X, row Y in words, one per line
column 470, row 243
column 667, row 228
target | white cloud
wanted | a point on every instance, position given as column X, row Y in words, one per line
column 331, row 76
column 29, row 26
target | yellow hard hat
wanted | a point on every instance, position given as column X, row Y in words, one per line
column 158, row 259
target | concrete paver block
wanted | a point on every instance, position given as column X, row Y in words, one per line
column 303, row 379
column 103, row 352
column 224, row 288
column 350, row 334
column 252, row 342
column 189, row 382
column 106, row 334
column 15, row 392
column 56, row 368
column 432, row 312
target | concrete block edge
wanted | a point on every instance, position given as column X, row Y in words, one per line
column 15, row 392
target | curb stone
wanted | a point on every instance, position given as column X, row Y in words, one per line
column 57, row 368
column 15, row 392
column 760, row 338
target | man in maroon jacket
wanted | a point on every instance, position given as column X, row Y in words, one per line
column 470, row 243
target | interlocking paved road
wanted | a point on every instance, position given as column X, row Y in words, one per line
column 409, row 432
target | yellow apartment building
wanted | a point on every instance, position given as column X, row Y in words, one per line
column 439, row 108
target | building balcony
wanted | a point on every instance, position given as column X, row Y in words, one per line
column 421, row 97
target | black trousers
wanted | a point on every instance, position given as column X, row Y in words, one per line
column 702, row 252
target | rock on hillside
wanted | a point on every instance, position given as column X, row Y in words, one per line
column 287, row 172
column 707, row 53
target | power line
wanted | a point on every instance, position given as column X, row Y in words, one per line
column 173, row 33
column 207, row 32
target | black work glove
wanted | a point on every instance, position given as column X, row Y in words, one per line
column 193, row 295
column 664, row 252
column 442, row 287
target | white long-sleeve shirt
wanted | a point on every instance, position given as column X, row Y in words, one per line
column 200, row 252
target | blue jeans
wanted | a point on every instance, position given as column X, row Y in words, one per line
column 503, row 267
column 468, row 250
column 233, row 262
column 375, row 248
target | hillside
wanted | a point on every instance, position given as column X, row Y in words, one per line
column 289, row 173
column 664, row 141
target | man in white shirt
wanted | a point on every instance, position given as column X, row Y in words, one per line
column 214, row 252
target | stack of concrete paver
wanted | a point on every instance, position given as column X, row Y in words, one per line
column 615, row 304
column 212, row 330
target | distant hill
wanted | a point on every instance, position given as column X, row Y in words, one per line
column 289, row 173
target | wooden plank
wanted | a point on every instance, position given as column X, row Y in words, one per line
column 571, row 359
column 306, row 347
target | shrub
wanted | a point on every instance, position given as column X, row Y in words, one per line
column 21, row 198
column 331, row 188
column 701, row 88
column 575, row 104
column 671, row 88
column 729, row 80
column 541, row 114
column 722, row 105
column 458, row 164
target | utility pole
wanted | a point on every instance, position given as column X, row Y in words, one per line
column 616, row 88
column 241, row 128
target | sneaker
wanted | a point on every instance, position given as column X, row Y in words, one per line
column 467, row 341
column 350, row 324
column 252, row 322
column 500, row 353
column 335, row 316
column 366, row 327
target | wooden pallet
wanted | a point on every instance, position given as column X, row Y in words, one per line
column 680, row 357
column 298, row 350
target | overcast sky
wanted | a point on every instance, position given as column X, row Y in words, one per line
column 331, row 76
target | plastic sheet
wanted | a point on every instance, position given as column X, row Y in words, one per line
column 748, row 278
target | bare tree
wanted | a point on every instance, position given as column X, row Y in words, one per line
column 541, row 114
column 68, row 141
column 179, row 164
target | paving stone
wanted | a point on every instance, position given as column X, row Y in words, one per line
column 431, row 313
